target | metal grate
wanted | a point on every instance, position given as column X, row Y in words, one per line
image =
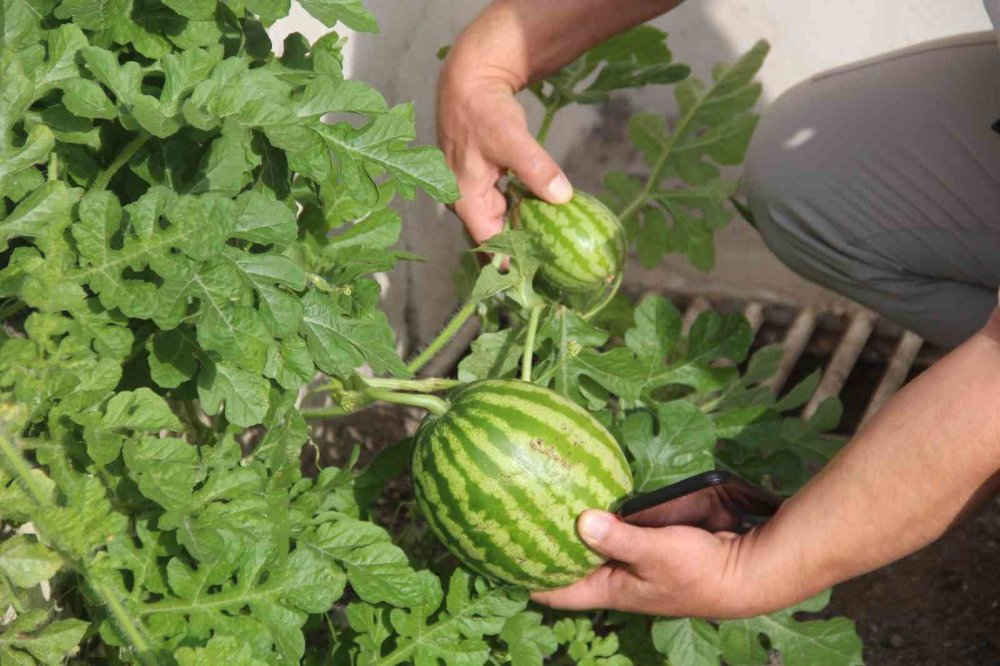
column 836, row 338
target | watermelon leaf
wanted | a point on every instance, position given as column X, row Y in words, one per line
column 801, row 643
column 452, row 632
column 687, row 641
column 528, row 641
column 682, row 446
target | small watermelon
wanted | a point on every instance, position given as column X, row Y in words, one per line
column 585, row 238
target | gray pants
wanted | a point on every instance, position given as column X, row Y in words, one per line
column 881, row 181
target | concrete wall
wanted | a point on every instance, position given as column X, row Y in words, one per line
column 807, row 36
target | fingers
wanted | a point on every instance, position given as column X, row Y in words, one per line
column 483, row 135
column 594, row 591
column 614, row 539
column 518, row 151
column 482, row 210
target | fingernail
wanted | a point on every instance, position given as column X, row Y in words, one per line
column 595, row 525
column 560, row 190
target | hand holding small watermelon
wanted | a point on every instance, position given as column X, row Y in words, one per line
column 676, row 571
column 482, row 128
column 483, row 132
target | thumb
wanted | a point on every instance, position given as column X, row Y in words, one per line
column 611, row 537
column 536, row 168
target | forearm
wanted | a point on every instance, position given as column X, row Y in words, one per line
column 520, row 41
column 923, row 460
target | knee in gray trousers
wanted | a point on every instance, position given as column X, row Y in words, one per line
column 881, row 181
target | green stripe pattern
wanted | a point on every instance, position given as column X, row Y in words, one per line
column 502, row 476
column 586, row 240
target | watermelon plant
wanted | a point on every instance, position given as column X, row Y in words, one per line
column 185, row 244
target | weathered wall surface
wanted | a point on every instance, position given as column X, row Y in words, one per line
column 807, row 36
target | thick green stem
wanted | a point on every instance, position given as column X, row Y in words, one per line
column 402, row 391
column 529, row 343
column 429, row 385
column 658, row 166
column 331, row 386
column 108, row 598
column 123, row 619
column 432, row 404
column 562, row 378
column 53, row 171
column 443, row 338
column 23, row 471
column 603, row 303
column 323, row 413
column 543, row 130
column 130, row 149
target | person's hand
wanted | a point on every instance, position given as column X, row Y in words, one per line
column 676, row 570
column 483, row 132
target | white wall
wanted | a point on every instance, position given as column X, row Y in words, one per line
column 807, row 36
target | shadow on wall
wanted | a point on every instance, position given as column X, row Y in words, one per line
column 402, row 63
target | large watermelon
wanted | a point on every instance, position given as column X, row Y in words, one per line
column 586, row 240
column 503, row 474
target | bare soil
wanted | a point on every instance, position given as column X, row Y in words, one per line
column 938, row 607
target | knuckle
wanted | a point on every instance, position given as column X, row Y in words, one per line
column 536, row 164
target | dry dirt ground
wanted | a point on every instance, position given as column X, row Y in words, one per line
column 938, row 607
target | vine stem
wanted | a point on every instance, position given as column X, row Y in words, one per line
column 130, row 149
column 543, row 130
column 193, row 424
column 443, row 338
column 122, row 617
column 21, row 468
column 654, row 174
column 108, row 598
column 529, row 343
column 428, row 385
column 432, row 404
column 562, row 382
column 607, row 297
column 322, row 413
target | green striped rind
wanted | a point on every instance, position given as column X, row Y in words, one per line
column 502, row 476
column 586, row 240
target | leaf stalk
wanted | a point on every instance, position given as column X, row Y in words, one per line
column 543, row 130
column 428, row 385
column 529, row 343
column 431, row 403
column 130, row 149
column 23, row 471
column 603, row 303
column 654, row 173
column 443, row 338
